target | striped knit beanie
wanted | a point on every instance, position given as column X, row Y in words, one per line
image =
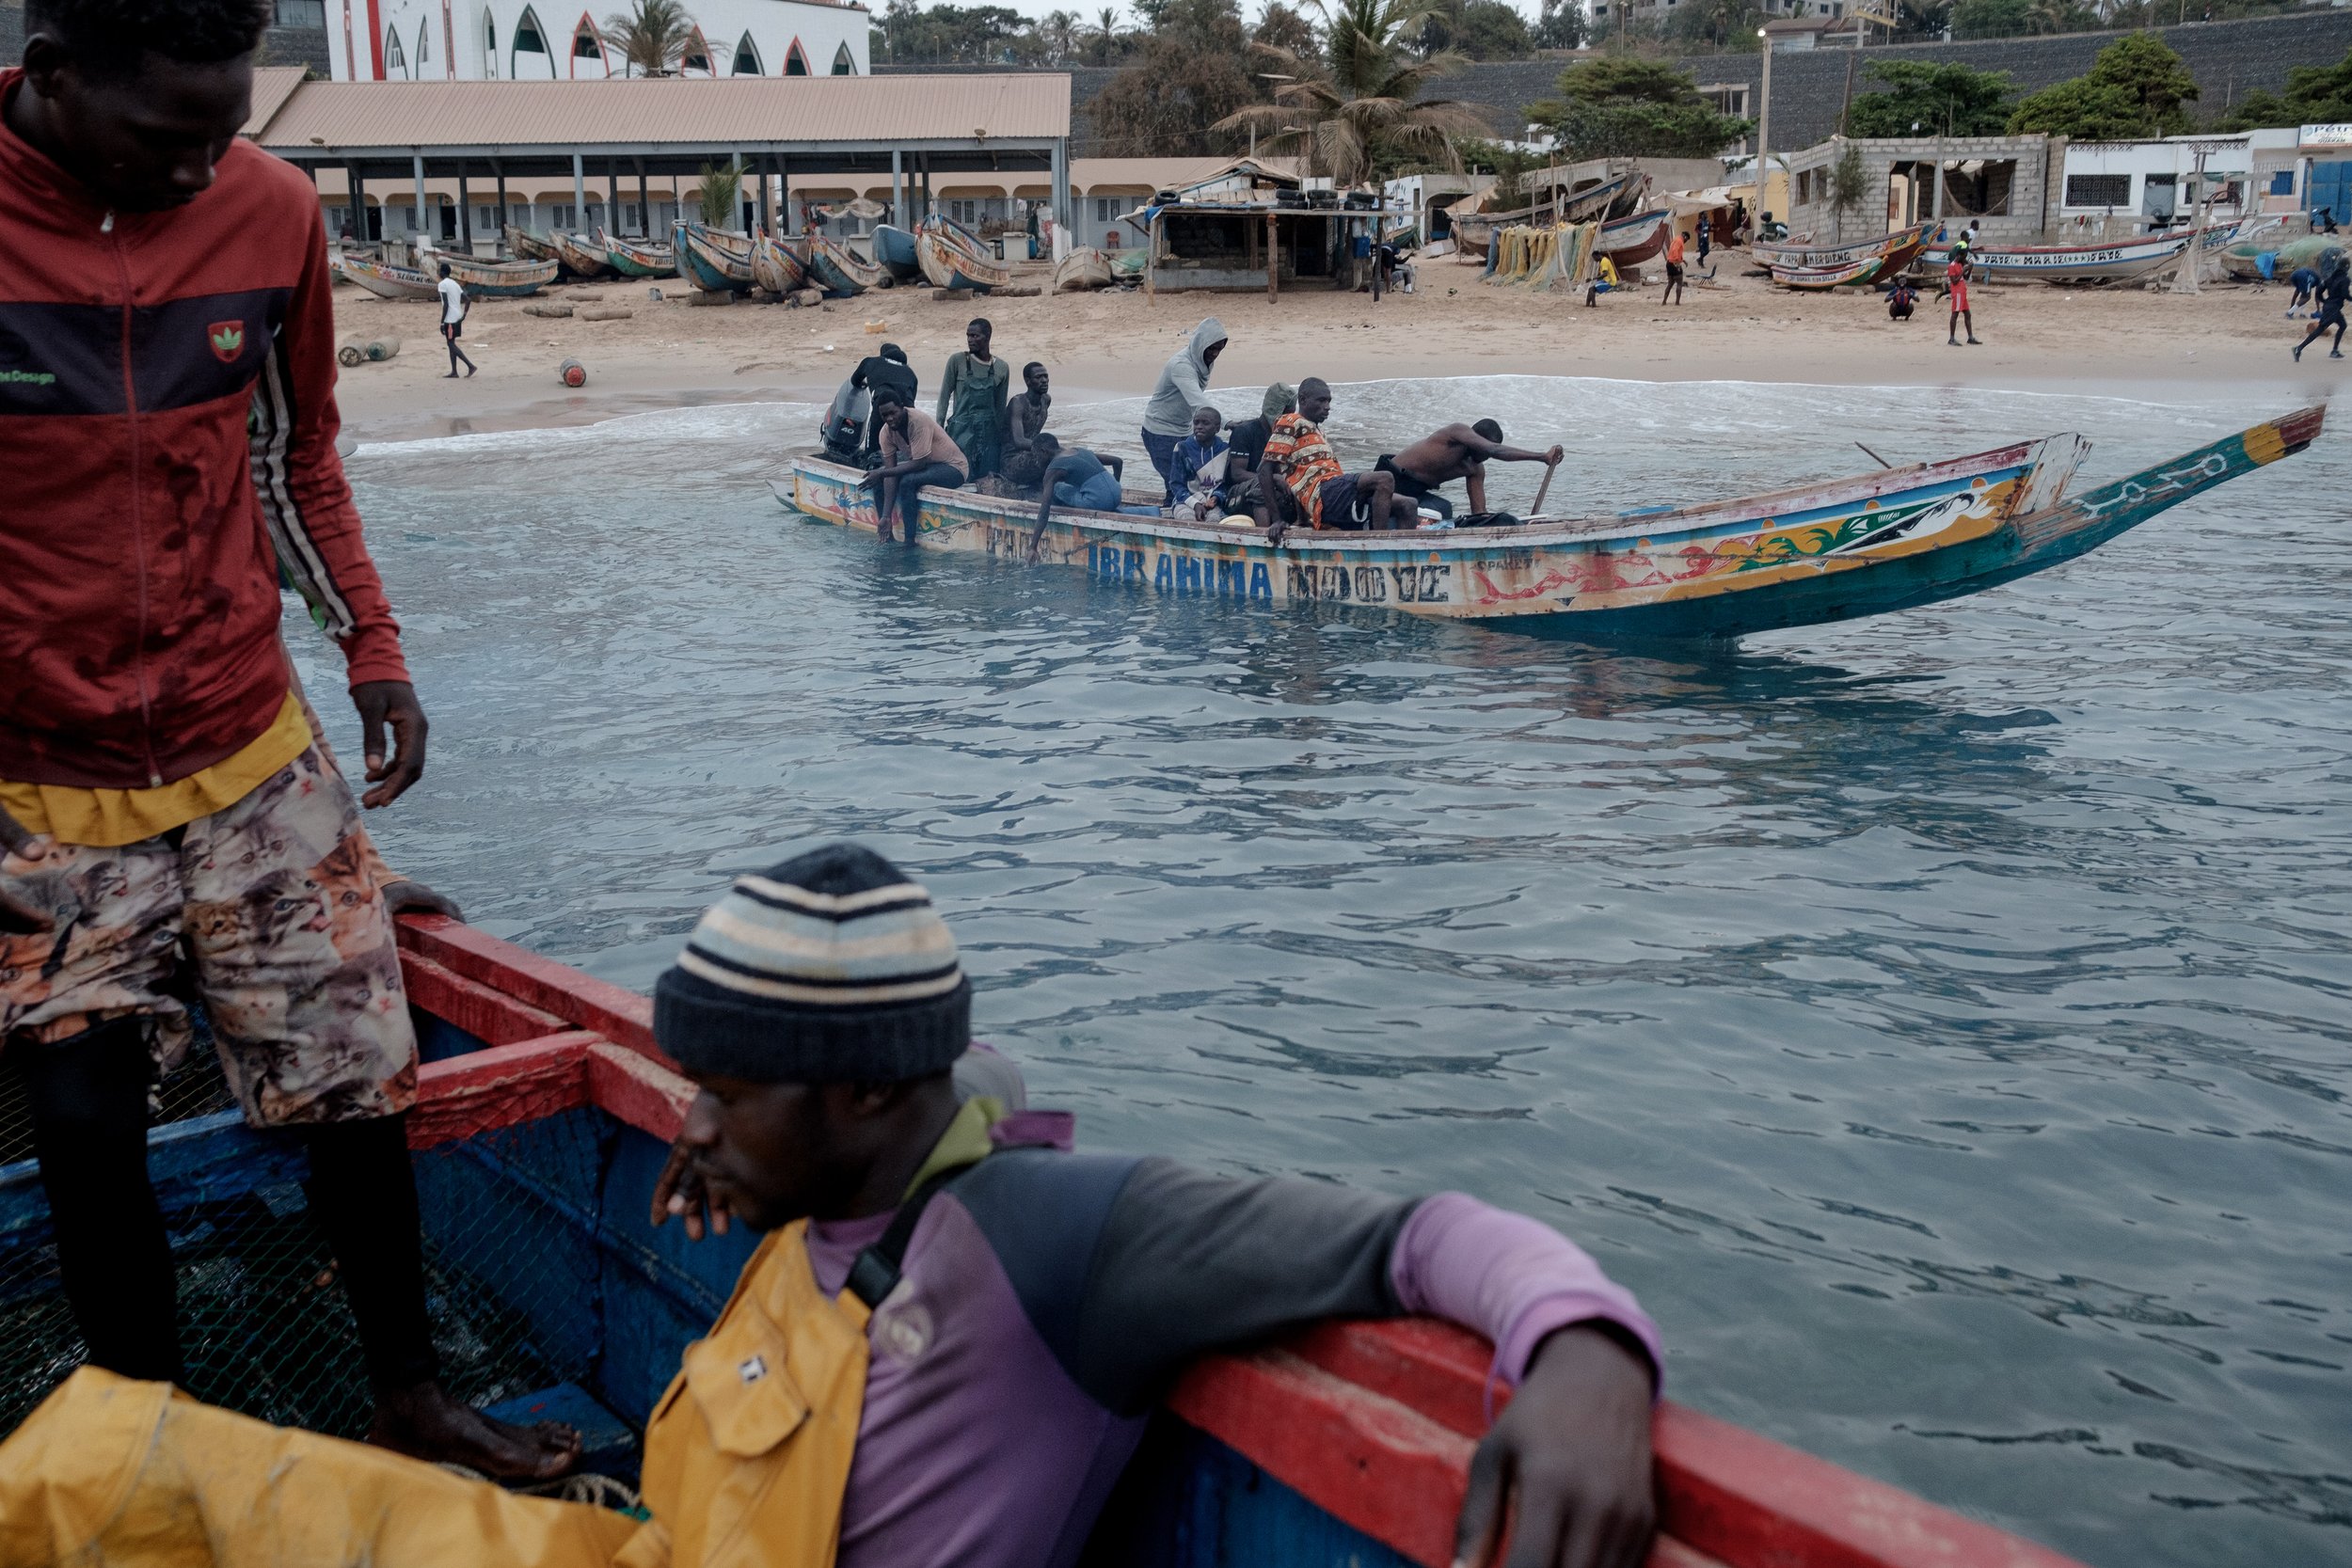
column 830, row 968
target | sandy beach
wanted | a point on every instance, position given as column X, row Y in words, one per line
column 2124, row 340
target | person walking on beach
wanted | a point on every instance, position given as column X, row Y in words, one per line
column 970, row 403
column 2332, row 292
column 1956, row 282
column 453, row 321
column 169, row 822
column 1706, row 230
column 1182, row 387
column 916, row 451
column 1673, row 270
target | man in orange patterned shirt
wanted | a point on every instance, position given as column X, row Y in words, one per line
column 1327, row 495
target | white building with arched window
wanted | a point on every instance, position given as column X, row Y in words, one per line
column 477, row 40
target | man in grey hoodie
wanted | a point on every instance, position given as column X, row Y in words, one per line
column 1184, row 386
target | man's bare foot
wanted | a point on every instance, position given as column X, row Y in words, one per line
column 425, row 1422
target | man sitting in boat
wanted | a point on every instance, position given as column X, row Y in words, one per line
column 1200, row 463
column 1025, row 420
column 1326, row 495
column 915, row 453
column 1458, row 451
column 945, row 1349
column 1248, row 491
column 1074, row 477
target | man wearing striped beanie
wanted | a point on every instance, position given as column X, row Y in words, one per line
column 946, row 1348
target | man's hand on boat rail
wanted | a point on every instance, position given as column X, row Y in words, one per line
column 679, row 1191
column 393, row 705
column 1567, row 1464
column 18, row 918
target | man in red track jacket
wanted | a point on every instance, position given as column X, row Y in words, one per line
column 167, row 820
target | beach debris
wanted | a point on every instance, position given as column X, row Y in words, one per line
column 605, row 313
column 572, row 374
column 583, row 296
column 654, row 294
column 553, row 309
column 952, row 293
column 878, row 326
column 713, row 296
column 361, row 350
column 809, row 297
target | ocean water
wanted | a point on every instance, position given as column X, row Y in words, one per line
column 1944, row 1022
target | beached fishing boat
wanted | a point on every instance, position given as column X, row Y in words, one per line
column 834, row 268
column 2117, row 263
column 1083, row 269
column 1895, row 249
column 529, row 246
column 1473, row 233
column 949, row 264
column 1830, row 551
column 714, row 261
column 638, row 257
column 389, row 280
column 491, row 279
column 1630, row 241
column 774, row 267
column 893, row 251
column 1861, row 271
column 544, row 1114
column 582, row 256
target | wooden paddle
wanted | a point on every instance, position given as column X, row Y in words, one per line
column 1545, row 490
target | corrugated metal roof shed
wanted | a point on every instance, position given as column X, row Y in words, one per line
column 755, row 113
column 272, row 86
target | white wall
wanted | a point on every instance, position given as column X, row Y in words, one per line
column 430, row 34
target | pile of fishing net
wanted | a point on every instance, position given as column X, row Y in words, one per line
column 1542, row 258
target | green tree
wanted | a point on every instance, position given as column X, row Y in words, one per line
column 1479, row 29
column 1990, row 19
column 1508, row 164
column 1193, row 72
column 1716, row 23
column 1560, row 26
column 1359, row 112
column 915, row 34
column 1940, row 100
column 1622, row 107
column 651, row 36
column 2138, row 88
column 1849, row 186
column 1286, row 26
column 2315, row 95
column 720, row 194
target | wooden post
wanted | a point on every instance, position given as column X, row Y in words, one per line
column 1273, row 256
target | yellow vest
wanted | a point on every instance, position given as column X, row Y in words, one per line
column 748, row 1454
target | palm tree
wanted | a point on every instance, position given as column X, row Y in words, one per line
column 652, row 36
column 1363, row 100
column 720, row 194
column 1060, row 29
column 1105, row 35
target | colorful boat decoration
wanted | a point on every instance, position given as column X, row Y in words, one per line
column 1634, row 239
column 490, row 279
column 2114, row 262
column 1813, row 553
column 544, row 1113
column 582, row 256
column 1896, row 249
column 387, row 279
column 835, row 268
column 529, row 246
column 774, row 267
column 893, row 251
column 713, row 261
column 949, row 264
column 1862, row 271
column 638, row 257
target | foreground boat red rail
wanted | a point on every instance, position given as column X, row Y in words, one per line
column 1368, row 1425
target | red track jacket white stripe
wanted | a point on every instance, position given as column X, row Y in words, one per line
column 167, row 442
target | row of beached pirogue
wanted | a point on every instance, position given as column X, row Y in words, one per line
column 938, row 251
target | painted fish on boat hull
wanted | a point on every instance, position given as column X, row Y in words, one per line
column 1829, row 552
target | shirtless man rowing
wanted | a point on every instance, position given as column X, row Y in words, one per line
column 1457, row 451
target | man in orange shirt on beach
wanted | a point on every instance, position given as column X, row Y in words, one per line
column 1674, row 269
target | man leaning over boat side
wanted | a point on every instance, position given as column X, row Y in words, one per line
column 945, row 1349
column 163, row 801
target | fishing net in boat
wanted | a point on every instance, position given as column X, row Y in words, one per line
column 264, row 1324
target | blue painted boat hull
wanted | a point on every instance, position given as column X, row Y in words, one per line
column 894, row 248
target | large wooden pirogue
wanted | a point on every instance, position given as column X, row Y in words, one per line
column 545, row 1112
column 1830, row 551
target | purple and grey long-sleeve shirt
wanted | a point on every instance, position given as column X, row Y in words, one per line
column 1048, row 1299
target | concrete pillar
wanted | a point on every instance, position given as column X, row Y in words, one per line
column 358, row 186
column 465, row 216
column 419, row 211
column 579, row 191
column 499, row 169
column 899, row 189
column 1061, row 185
column 612, row 196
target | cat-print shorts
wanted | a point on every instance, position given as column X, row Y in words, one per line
column 269, row 913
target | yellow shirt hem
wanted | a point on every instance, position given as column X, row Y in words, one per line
column 109, row 819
